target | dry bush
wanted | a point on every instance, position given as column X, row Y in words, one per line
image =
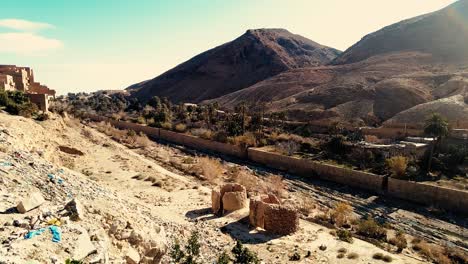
column 211, row 169
column 276, row 185
column 399, row 241
column 181, row 128
column 249, row 181
column 287, row 147
column 4, row 148
column 166, row 125
column 370, row 228
column 305, row 204
column 341, row 213
column 432, row 252
column 397, row 166
column 245, row 141
column 137, row 140
column 353, row 256
column 202, row 133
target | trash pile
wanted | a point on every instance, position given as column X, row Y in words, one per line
column 49, row 214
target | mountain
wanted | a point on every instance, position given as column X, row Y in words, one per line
column 398, row 68
column 252, row 57
column 443, row 33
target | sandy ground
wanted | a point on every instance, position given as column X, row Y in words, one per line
column 104, row 179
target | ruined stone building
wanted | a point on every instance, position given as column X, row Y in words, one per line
column 14, row 78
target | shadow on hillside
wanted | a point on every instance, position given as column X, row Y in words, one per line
column 203, row 214
column 11, row 210
column 240, row 230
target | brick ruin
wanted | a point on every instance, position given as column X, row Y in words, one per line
column 268, row 213
column 14, row 78
column 230, row 197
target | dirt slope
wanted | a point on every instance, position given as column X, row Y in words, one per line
column 121, row 213
column 252, row 57
column 443, row 34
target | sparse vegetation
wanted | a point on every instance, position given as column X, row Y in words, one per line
column 211, row 169
column 353, row 255
column 344, row 235
column 370, row 228
column 243, row 255
column 341, row 213
column 399, row 241
column 191, row 253
column 397, row 166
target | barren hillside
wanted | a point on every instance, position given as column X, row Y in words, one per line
column 443, row 34
column 129, row 206
column 254, row 56
column 374, row 89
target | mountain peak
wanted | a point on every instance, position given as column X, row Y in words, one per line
column 256, row 55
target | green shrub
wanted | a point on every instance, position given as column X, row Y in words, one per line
column 221, row 136
column 223, row 258
column 370, row 228
column 166, row 125
column 192, row 250
column 344, row 235
column 243, row 255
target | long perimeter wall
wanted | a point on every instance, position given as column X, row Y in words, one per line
column 426, row 194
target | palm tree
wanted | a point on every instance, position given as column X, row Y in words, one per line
column 436, row 126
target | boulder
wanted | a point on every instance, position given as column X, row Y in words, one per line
column 31, row 202
column 83, row 247
column 132, row 256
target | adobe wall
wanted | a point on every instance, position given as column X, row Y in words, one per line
column 40, row 100
column 203, row 144
column 150, row 131
column 280, row 219
column 446, row 198
column 430, row 195
column 391, row 132
column 309, row 168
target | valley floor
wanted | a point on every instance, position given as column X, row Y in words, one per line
column 124, row 213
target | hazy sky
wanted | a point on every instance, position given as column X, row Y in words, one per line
column 88, row 45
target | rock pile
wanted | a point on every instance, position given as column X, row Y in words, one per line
column 267, row 212
column 230, row 197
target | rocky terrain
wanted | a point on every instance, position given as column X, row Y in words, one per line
column 112, row 204
column 375, row 89
column 442, row 33
column 412, row 67
column 252, row 57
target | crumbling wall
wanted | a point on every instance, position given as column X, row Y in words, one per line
column 231, row 197
column 257, row 209
column 280, row 219
column 266, row 212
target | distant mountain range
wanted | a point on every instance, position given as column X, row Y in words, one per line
column 400, row 73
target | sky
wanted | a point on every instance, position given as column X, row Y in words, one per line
column 91, row 45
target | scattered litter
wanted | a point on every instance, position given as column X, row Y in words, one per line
column 56, row 233
column 34, row 233
column 5, row 164
column 54, row 221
